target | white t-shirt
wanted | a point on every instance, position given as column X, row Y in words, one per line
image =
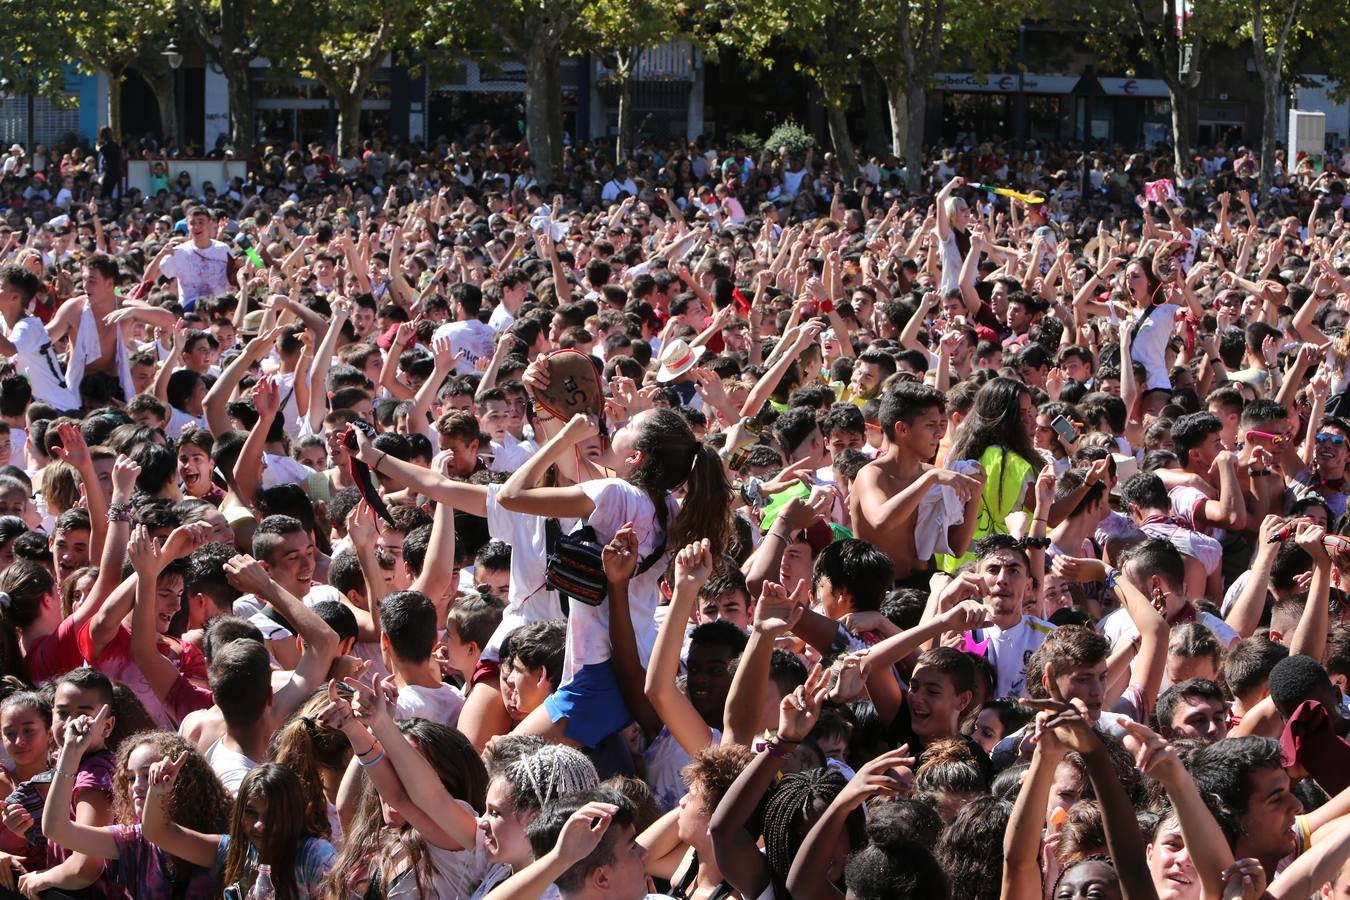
column 530, row 599
column 250, row 606
column 179, row 420
column 1118, row 626
column 453, row 873
column 36, row 358
column 616, row 503
column 473, row 340
column 1150, row 346
column 1188, row 543
column 1010, row 650
column 441, row 704
column 501, row 318
column 200, row 273
column 229, row 766
column 950, row 254
column 664, row 758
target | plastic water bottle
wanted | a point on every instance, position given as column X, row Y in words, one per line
column 262, row 887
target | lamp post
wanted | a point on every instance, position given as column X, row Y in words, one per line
column 174, row 57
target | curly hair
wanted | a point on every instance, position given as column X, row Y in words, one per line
column 198, row 800
column 713, row 770
column 971, row 849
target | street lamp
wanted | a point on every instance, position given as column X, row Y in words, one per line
column 172, row 55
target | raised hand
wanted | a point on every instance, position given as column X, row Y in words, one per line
column 775, row 612
column 620, row 556
column 361, row 525
column 143, row 551
column 247, row 575
column 266, row 398
column 82, row 731
column 884, row 776
column 73, row 448
column 184, row 539
column 584, row 830
column 693, row 564
column 372, row 700
column 1079, row 570
column 164, row 774
column 800, row 710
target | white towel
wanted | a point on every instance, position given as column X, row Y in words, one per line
column 940, row 509
column 87, row 348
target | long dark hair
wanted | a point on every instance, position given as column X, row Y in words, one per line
column 286, row 828
column 370, row 845
column 674, row 456
column 27, row 585
column 996, row 421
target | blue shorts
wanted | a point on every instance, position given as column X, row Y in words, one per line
column 591, row 703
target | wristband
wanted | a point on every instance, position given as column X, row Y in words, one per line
column 373, row 762
column 1258, row 473
column 373, row 745
column 1111, row 577
column 119, row 512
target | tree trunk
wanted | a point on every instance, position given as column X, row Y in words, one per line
column 115, row 104
column 874, row 113
column 1270, row 91
column 543, row 113
column 908, row 104
column 162, row 86
column 623, row 74
column 242, row 134
column 837, row 118
column 1181, row 125
column 349, row 119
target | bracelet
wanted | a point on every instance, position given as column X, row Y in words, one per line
column 119, row 512
column 1112, row 577
column 769, row 534
column 376, row 467
column 373, row 762
column 1258, row 473
column 373, row 745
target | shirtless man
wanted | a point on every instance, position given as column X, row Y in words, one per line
column 888, row 492
column 100, row 283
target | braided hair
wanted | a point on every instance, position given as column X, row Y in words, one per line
column 550, row 772
column 792, row 809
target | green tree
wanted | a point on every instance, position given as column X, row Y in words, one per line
column 339, row 43
column 617, row 31
column 103, row 36
column 227, row 31
column 911, row 36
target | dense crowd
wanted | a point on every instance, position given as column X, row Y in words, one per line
column 714, row 524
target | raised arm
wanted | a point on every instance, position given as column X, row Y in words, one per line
column 157, row 828
column 218, row 397
column 148, row 561
column 319, row 640
column 1023, row 836
column 520, row 493
column 248, row 468
column 743, row 866
column 877, row 779
column 1205, row 841
column 741, row 717
column 124, row 474
column 1310, row 635
column 323, row 359
column 620, row 559
column 57, row 823
column 692, row 567
column 764, row 388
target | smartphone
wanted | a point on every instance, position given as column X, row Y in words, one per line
column 1064, row 428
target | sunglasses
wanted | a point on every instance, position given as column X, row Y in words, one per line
column 1335, row 439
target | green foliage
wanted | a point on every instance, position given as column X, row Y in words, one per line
column 790, row 135
column 752, row 142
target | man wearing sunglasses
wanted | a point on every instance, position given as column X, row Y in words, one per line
column 1326, row 475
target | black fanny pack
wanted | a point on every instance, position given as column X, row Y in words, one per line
column 575, row 567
